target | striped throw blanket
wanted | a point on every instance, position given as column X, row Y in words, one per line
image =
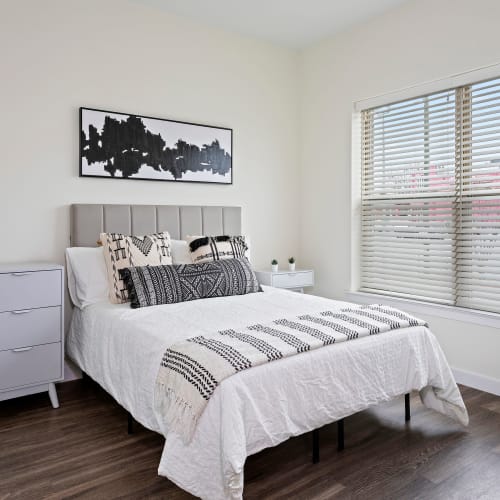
column 191, row 370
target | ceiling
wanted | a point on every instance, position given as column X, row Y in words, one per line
column 292, row 23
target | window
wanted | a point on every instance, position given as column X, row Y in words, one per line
column 430, row 220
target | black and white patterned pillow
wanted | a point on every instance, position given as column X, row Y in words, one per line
column 154, row 285
column 208, row 248
column 121, row 251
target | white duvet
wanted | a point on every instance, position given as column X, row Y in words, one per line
column 121, row 349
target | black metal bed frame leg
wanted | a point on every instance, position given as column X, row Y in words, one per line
column 315, row 438
column 340, row 435
column 130, row 423
column 407, row 407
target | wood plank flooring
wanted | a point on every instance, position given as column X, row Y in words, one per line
column 82, row 450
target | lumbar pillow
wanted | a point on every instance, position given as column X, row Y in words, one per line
column 122, row 251
column 154, row 285
column 209, row 248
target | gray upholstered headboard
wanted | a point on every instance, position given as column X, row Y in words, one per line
column 88, row 221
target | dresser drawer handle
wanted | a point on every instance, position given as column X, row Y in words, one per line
column 22, row 349
column 21, row 311
column 20, row 274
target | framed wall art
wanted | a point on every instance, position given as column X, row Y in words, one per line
column 127, row 146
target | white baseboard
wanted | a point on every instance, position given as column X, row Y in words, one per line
column 477, row 381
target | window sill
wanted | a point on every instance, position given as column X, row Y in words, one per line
column 441, row 311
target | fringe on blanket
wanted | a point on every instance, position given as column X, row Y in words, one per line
column 180, row 415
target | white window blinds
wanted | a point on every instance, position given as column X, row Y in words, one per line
column 431, row 198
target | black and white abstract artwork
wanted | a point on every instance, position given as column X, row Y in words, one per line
column 125, row 146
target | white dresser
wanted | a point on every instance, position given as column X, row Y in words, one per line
column 292, row 280
column 31, row 329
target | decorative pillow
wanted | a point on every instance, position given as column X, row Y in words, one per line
column 122, row 251
column 154, row 285
column 209, row 248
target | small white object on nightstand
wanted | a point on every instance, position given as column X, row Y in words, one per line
column 292, row 280
column 31, row 330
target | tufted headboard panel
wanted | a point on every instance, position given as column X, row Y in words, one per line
column 89, row 220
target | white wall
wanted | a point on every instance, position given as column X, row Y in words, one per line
column 57, row 55
column 420, row 41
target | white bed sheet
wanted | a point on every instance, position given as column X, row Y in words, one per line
column 121, row 349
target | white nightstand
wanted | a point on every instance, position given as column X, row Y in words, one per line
column 31, row 330
column 292, row 280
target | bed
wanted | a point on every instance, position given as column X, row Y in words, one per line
column 121, row 349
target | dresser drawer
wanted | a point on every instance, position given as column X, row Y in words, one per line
column 37, row 364
column 30, row 327
column 293, row 279
column 27, row 290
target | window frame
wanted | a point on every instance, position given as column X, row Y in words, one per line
column 454, row 312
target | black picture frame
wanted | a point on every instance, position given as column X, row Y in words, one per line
column 207, row 162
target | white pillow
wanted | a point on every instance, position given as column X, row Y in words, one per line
column 87, row 278
column 180, row 252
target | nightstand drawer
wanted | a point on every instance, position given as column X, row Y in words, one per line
column 29, row 366
column 28, row 290
column 28, row 327
column 293, row 279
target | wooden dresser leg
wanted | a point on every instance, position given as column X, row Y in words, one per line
column 53, row 396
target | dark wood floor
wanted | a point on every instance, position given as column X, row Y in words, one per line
column 82, row 450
